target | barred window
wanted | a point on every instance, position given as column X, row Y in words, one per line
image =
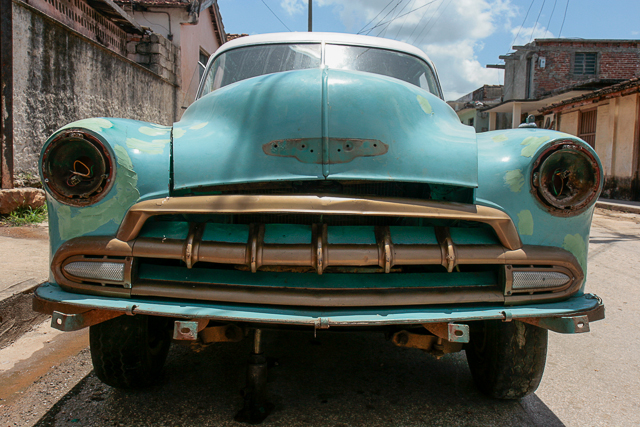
column 585, row 64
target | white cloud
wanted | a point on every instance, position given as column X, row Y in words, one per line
column 293, row 7
column 525, row 35
column 450, row 31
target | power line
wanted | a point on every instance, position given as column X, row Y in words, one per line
column 400, row 16
column 405, row 14
column 382, row 32
column 374, row 18
column 435, row 22
column 536, row 24
column 427, row 24
column 385, row 16
column 521, row 25
column 274, row 14
column 405, row 21
column 419, row 22
column 565, row 15
column 552, row 10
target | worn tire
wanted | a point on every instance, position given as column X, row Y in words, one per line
column 507, row 358
column 130, row 351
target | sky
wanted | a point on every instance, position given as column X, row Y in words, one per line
column 460, row 36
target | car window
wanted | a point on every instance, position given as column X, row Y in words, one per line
column 244, row 63
column 381, row 61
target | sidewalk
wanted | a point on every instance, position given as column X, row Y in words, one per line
column 24, row 264
column 619, row 205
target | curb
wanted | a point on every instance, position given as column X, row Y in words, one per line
column 619, row 207
column 16, row 313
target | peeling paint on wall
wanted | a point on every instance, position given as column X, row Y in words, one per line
column 514, row 180
column 525, row 223
column 90, row 218
column 531, row 145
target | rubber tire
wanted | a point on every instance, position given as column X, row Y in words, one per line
column 507, row 358
column 129, row 351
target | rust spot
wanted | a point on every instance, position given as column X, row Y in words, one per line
column 341, row 150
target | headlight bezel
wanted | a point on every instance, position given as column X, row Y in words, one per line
column 57, row 183
column 544, row 179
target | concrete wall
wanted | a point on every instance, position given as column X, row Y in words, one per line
column 61, row 76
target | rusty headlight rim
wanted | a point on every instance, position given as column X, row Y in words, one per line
column 543, row 197
column 51, row 183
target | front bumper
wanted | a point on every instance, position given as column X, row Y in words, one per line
column 73, row 311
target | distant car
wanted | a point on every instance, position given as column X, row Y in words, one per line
column 319, row 180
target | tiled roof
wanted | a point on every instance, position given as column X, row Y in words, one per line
column 235, row 36
column 157, row 2
column 627, row 84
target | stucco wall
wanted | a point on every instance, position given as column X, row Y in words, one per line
column 625, row 137
column 200, row 35
column 60, row 76
column 569, row 123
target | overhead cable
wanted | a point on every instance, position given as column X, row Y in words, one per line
column 274, row 14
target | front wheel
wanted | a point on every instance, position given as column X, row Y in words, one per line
column 130, row 351
column 507, row 358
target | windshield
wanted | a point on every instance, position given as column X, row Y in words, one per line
column 251, row 61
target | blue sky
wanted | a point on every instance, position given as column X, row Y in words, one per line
column 460, row 36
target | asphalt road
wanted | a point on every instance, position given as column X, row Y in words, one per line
column 360, row 379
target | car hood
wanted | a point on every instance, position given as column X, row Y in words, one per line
column 322, row 124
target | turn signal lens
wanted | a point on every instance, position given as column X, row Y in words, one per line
column 566, row 178
column 96, row 271
column 523, row 280
column 77, row 168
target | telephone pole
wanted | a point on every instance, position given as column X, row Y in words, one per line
column 310, row 16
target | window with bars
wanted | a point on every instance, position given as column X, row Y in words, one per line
column 587, row 130
column 585, row 63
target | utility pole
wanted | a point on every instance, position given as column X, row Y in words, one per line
column 310, row 15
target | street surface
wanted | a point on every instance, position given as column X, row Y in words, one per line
column 355, row 378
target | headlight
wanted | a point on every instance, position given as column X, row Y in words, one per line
column 77, row 168
column 566, row 179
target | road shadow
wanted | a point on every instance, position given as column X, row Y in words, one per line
column 337, row 379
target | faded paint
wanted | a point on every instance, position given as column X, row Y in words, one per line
column 90, row 218
column 424, row 104
column 525, row 223
column 514, row 180
column 531, row 145
column 155, row 146
column 500, row 138
column 178, row 132
column 199, row 126
column 576, row 244
column 154, row 131
column 94, row 124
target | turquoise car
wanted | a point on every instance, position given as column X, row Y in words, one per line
column 319, row 181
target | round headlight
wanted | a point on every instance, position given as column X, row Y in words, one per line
column 77, row 168
column 566, row 178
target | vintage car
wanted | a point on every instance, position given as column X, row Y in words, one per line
column 319, row 180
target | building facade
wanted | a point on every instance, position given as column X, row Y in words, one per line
column 609, row 120
column 548, row 71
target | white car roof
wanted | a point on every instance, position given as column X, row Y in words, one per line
column 342, row 38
